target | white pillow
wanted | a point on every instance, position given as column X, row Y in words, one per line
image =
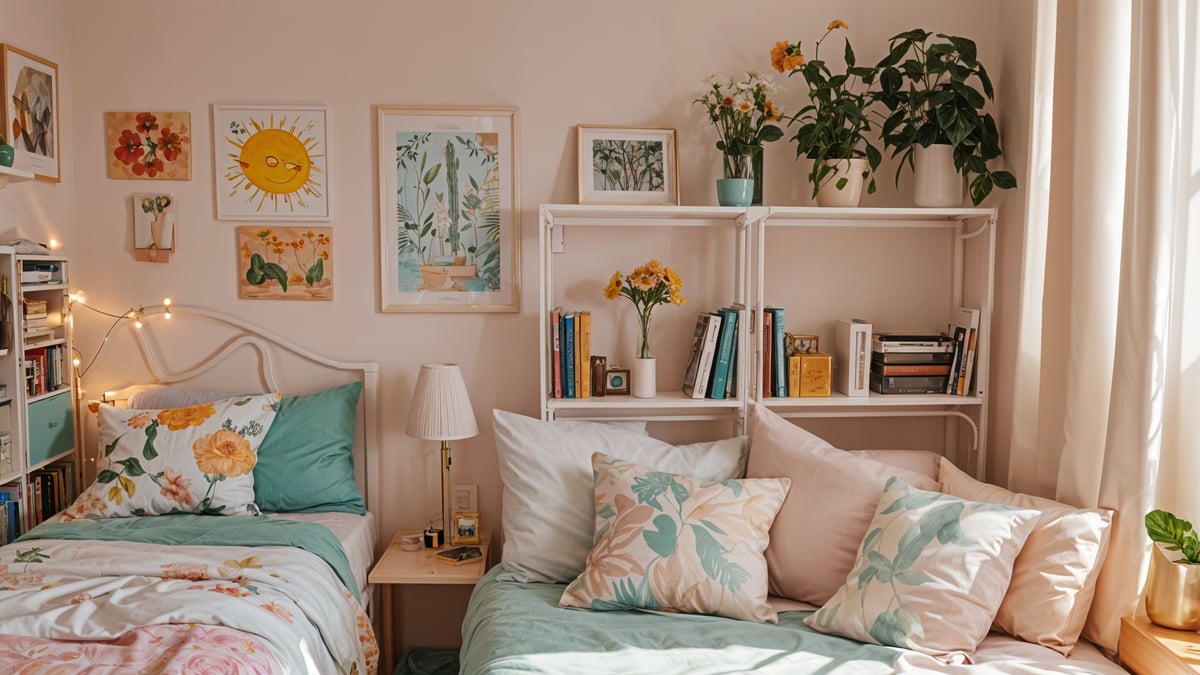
column 172, row 397
column 547, row 513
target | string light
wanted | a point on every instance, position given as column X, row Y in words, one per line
column 135, row 314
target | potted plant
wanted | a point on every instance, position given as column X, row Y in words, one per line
column 743, row 113
column 932, row 91
column 1173, row 586
column 832, row 129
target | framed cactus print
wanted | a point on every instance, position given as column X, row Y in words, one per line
column 627, row 165
column 449, row 210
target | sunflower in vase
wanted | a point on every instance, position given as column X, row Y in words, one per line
column 647, row 287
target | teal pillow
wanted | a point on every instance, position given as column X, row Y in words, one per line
column 306, row 461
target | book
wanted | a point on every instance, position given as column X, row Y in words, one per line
column 945, row 344
column 779, row 364
column 704, row 347
column 945, row 358
column 909, row 368
column 767, row 386
column 966, row 318
column 568, row 331
column 724, row 354
column 584, row 348
column 555, row 353
column 852, row 357
column 908, row 384
column 960, row 354
column 459, row 555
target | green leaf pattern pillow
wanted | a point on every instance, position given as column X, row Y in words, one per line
column 195, row 459
column 930, row 574
column 670, row 542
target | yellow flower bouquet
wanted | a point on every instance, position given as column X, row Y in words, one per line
column 646, row 287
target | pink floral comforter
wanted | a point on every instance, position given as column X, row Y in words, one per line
column 122, row 607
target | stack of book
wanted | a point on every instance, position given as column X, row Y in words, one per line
column 10, row 512
column 712, row 364
column 911, row 363
column 965, row 331
column 35, row 323
column 45, row 369
column 52, row 489
column 775, row 358
column 570, row 353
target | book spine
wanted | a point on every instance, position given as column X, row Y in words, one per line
column 794, row 376
column 969, row 375
column 911, row 384
column 569, row 356
column 708, row 355
column 911, row 369
column 767, row 387
column 779, row 370
column 556, row 352
column 716, row 388
column 576, row 370
column 585, row 354
column 946, row 346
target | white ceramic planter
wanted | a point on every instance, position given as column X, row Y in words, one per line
column 643, row 384
column 937, row 183
column 850, row 194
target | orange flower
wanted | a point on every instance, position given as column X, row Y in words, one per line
column 224, row 453
column 277, row 611
column 778, row 53
column 772, row 111
column 186, row 571
column 837, row 23
column 176, row 419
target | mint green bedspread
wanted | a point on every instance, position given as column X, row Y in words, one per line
column 186, row 529
column 519, row 628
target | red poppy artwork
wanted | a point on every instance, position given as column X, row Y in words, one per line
column 149, row 145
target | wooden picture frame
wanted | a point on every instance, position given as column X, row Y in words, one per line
column 148, row 145
column 449, row 209
column 617, row 380
column 29, row 114
column 271, row 162
column 627, row 165
column 465, row 528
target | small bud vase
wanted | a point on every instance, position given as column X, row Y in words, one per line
column 642, row 378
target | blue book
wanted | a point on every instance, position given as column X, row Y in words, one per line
column 568, row 338
column 779, row 360
column 13, row 517
column 720, row 375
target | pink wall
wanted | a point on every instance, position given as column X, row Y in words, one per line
column 561, row 63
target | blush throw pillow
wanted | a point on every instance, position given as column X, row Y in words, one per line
column 546, row 513
column 670, row 542
column 1054, row 577
column 825, row 516
column 930, row 575
column 195, row 459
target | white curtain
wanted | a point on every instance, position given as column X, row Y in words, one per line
column 1106, row 407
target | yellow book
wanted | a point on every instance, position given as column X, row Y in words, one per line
column 584, row 353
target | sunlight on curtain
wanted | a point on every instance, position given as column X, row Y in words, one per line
column 1105, row 410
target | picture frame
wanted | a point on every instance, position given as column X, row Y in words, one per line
column 154, row 218
column 284, row 262
column 802, row 344
column 148, row 145
column 466, row 528
column 627, row 165
column 271, row 162
column 29, row 114
column 617, row 381
column 449, row 208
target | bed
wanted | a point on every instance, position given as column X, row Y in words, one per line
column 697, row 559
column 225, row 531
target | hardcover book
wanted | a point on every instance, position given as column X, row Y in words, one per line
column 908, row 384
column 459, row 555
column 583, row 348
column 724, row 358
column 568, row 331
column 704, row 347
column 555, row 353
column 779, row 365
column 767, row 386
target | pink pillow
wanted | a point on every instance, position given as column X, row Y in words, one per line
column 1054, row 577
column 824, row 518
column 923, row 462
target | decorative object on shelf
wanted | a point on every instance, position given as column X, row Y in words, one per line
column 599, row 376
column 627, row 165
column 271, row 162
column 153, row 228
column 410, row 542
column 932, row 93
column 742, row 112
column 466, row 528
column 616, row 380
column 7, row 154
column 647, row 287
column 441, row 411
column 285, row 263
column 30, row 93
column 449, row 203
column 148, row 145
column 832, row 130
column 643, row 378
column 1173, row 587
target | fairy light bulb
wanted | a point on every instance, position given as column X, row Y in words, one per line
column 54, row 244
column 166, row 308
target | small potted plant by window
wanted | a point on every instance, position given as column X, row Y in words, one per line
column 832, row 130
column 936, row 117
column 1173, row 586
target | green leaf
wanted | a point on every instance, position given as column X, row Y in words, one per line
column 255, row 274
column 888, row 629
column 729, row 575
column 431, row 174
column 652, row 486
column 106, row 476
column 607, row 511
column 108, row 449
column 1004, row 180
column 662, row 539
column 712, row 526
column 274, row 271
column 913, row 578
column 148, row 450
column 883, row 566
column 316, row 272
column 1175, row 534
column 133, row 467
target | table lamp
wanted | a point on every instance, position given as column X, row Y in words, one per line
column 441, row 411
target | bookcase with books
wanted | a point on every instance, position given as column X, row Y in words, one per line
column 38, row 379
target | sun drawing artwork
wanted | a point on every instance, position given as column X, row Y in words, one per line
column 273, row 163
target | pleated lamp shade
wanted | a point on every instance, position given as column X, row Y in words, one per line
column 441, row 409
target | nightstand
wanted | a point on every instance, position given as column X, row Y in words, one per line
column 1150, row 649
column 399, row 567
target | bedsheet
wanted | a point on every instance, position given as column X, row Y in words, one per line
column 518, row 628
column 357, row 534
column 66, row 605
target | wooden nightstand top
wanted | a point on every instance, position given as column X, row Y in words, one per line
column 398, row 566
column 1149, row 649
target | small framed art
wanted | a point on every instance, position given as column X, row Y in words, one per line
column 627, row 165
column 30, row 111
column 466, row 527
column 617, row 381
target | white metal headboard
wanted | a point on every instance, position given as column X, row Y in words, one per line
column 265, row 343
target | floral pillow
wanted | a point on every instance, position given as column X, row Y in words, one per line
column 196, row 459
column 669, row 542
column 930, row 574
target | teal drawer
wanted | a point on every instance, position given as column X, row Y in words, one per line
column 51, row 429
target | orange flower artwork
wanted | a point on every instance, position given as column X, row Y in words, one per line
column 148, row 145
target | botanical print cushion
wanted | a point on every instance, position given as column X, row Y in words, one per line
column 196, row 459
column 1054, row 577
column 670, row 542
column 930, row 574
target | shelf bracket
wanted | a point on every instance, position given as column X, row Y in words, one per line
column 556, row 238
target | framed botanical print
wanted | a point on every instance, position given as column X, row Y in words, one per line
column 271, row 162
column 29, row 116
column 450, row 232
column 148, row 145
column 627, row 165
column 282, row 262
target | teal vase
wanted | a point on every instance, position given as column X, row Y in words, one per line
column 6, row 154
column 735, row 191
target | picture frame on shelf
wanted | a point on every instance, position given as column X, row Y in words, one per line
column 617, row 381
column 271, row 162
column 29, row 114
column 449, row 205
column 465, row 527
column 628, row 165
column 801, row 344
